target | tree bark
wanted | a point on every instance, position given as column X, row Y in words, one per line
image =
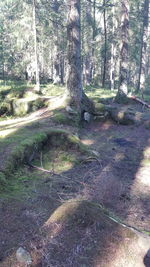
column 56, row 59
column 74, row 73
column 123, row 87
column 87, row 45
column 143, row 54
column 105, row 45
column 93, row 39
column 37, row 78
column 113, row 51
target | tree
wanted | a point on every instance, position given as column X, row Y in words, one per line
column 113, row 49
column 143, row 54
column 74, row 73
column 105, row 44
column 37, row 78
column 124, row 57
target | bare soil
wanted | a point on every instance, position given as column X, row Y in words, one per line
column 118, row 178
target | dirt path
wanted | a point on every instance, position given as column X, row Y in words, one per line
column 123, row 183
column 118, row 180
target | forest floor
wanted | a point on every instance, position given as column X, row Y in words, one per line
column 117, row 179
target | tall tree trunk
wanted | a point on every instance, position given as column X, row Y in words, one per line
column 93, row 39
column 87, row 45
column 74, row 76
column 124, row 64
column 143, row 54
column 105, row 45
column 37, row 78
column 112, row 61
column 56, row 62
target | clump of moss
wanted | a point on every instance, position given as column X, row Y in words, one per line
column 100, row 107
column 25, row 150
column 62, row 117
column 3, row 181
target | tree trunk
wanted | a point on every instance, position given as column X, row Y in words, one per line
column 75, row 95
column 143, row 54
column 112, row 61
column 56, row 52
column 123, row 87
column 93, row 39
column 87, row 45
column 37, row 79
column 105, row 45
column 74, row 74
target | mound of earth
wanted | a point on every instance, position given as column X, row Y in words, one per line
column 79, row 233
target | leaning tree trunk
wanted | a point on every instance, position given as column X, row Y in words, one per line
column 123, row 87
column 143, row 54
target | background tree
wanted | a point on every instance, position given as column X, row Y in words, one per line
column 124, row 52
column 143, row 50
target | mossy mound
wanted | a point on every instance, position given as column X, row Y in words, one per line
column 29, row 148
column 23, row 106
column 61, row 116
column 77, row 212
column 128, row 115
column 89, row 237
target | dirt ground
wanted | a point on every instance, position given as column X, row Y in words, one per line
column 118, row 178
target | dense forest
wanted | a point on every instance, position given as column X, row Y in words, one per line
column 115, row 42
column 74, row 133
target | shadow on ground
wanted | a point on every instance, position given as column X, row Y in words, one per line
column 80, row 234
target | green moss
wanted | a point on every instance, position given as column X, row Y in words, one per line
column 3, row 181
column 24, row 151
column 100, row 107
column 61, row 118
column 52, row 90
column 99, row 93
column 57, row 160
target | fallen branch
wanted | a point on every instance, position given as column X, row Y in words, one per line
column 40, row 168
column 140, row 101
column 90, row 159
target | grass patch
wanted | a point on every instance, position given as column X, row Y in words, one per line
column 52, row 90
column 57, row 160
column 60, row 116
column 99, row 94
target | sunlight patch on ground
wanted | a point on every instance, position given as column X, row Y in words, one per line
column 88, row 142
column 18, row 122
column 7, row 132
column 143, row 176
column 143, row 173
column 119, row 156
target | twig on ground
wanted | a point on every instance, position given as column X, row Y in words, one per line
column 92, row 159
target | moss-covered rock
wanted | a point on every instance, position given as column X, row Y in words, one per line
column 100, row 107
column 22, row 106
